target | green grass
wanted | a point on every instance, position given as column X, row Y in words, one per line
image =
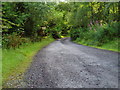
column 18, row 60
column 0, row 68
column 111, row 45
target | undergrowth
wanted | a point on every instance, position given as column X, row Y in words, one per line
column 104, row 36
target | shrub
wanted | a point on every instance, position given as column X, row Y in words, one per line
column 55, row 35
column 97, row 34
column 77, row 33
column 13, row 40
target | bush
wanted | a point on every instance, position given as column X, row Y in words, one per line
column 77, row 33
column 55, row 35
column 13, row 40
column 55, row 32
column 36, row 38
column 96, row 35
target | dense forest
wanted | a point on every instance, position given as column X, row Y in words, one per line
column 29, row 26
column 93, row 22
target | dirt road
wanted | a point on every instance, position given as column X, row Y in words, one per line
column 64, row 64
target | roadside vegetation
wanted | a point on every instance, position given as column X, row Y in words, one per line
column 96, row 24
column 101, row 36
column 16, row 61
column 25, row 25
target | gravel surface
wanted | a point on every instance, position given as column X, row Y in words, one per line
column 64, row 64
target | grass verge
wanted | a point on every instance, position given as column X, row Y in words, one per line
column 111, row 45
column 0, row 68
column 18, row 60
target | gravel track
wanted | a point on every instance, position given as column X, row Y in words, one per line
column 64, row 64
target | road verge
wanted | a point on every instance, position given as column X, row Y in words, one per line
column 15, row 62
